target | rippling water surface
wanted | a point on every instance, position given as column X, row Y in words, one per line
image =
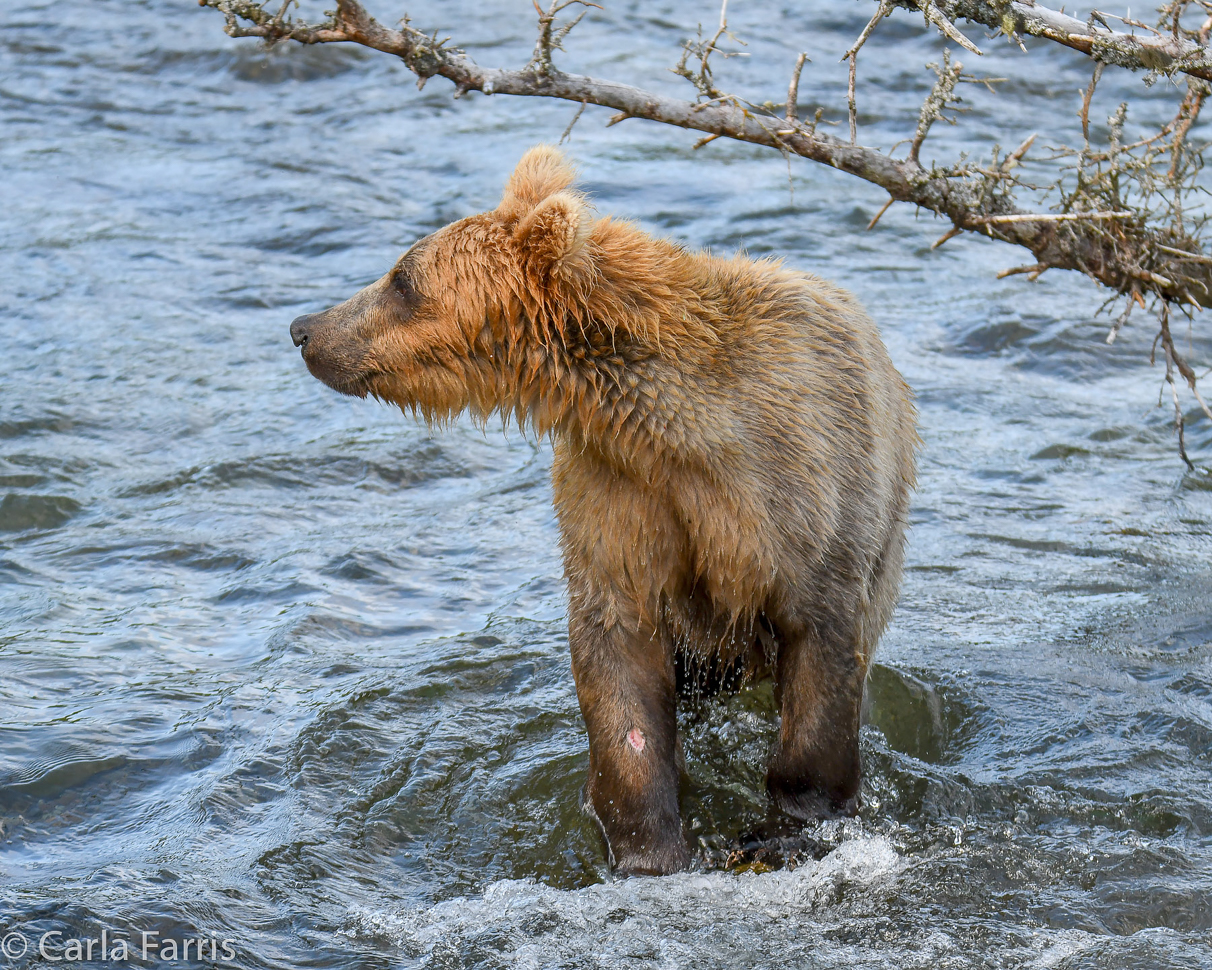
column 288, row 669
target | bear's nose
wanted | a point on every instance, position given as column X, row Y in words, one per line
column 300, row 330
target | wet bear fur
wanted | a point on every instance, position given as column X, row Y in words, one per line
column 734, row 454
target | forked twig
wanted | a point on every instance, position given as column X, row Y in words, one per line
column 885, row 8
column 703, row 80
column 550, row 38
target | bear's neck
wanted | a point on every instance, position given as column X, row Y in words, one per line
column 617, row 363
column 621, row 389
column 581, row 380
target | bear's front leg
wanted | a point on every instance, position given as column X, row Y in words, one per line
column 814, row 769
column 625, row 685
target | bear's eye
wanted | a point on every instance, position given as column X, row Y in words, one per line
column 406, row 290
column 404, row 277
column 402, row 283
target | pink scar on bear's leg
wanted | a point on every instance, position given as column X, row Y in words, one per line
column 635, row 737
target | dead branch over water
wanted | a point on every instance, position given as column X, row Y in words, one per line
column 1171, row 51
column 1121, row 218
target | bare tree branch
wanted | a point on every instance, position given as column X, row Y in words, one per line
column 1169, row 54
column 1121, row 220
column 1121, row 252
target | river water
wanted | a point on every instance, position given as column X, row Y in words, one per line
column 289, row 670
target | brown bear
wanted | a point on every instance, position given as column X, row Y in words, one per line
column 734, row 454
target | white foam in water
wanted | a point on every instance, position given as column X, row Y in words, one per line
column 1067, row 943
column 676, row 921
column 852, row 909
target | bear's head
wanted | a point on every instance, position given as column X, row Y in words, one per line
column 434, row 333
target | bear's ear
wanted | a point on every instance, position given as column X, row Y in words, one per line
column 552, row 237
column 542, row 172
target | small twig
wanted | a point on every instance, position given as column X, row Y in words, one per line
column 1188, row 111
column 1151, row 277
column 935, row 16
column 1179, row 423
column 1202, row 403
column 1122, row 319
column 559, row 35
column 883, row 209
column 1016, row 156
column 851, row 55
column 1100, row 15
column 1016, row 270
column 1193, row 257
column 575, row 118
column 723, row 29
column 949, row 234
column 1173, row 358
column 1050, row 217
column 1085, row 112
column 705, row 140
column 850, row 99
column 936, row 101
column 884, row 10
column 793, row 91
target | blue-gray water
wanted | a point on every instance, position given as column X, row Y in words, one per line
column 288, row 669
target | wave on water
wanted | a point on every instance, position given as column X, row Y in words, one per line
column 642, row 921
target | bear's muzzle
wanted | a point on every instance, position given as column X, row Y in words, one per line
column 332, row 351
column 300, row 329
